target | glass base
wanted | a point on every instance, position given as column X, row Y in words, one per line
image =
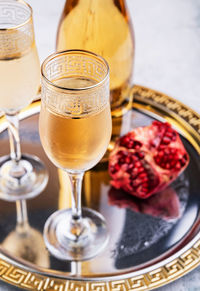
column 24, row 180
column 65, row 245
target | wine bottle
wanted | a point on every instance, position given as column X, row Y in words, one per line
column 103, row 27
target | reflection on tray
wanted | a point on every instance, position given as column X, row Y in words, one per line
column 165, row 204
column 147, row 222
column 27, row 244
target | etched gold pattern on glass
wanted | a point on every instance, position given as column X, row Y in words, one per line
column 75, row 65
column 16, row 39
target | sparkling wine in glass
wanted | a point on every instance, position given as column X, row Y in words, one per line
column 21, row 176
column 75, row 129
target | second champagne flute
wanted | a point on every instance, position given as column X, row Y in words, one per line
column 75, row 129
column 21, row 176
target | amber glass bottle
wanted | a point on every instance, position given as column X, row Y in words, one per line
column 103, row 27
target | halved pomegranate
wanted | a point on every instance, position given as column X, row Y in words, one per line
column 147, row 159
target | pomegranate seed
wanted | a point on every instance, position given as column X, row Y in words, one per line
column 140, row 155
column 135, row 171
column 169, row 134
column 135, row 158
column 128, row 160
column 140, row 170
column 144, row 189
column 133, row 176
column 178, row 165
column 143, row 175
column 160, row 154
column 166, row 140
column 138, row 164
column 115, row 169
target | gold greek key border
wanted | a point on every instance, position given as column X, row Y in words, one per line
column 32, row 281
column 187, row 261
column 169, row 103
column 186, row 118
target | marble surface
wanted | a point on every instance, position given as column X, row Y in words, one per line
column 167, row 36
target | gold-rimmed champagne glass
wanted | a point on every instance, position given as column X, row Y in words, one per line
column 21, row 176
column 75, row 129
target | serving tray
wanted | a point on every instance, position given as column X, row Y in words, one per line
column 152, row 242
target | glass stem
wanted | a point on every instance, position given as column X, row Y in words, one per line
column 13, row 130
column 22, row 217
column 76, row 182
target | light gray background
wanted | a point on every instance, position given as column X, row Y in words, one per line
column 167, row 34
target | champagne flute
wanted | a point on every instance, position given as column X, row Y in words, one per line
column 21, row 176
column 75, row 129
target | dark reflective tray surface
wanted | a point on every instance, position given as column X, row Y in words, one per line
column 141, row 232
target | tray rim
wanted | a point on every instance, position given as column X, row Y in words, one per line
column 148, row 278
